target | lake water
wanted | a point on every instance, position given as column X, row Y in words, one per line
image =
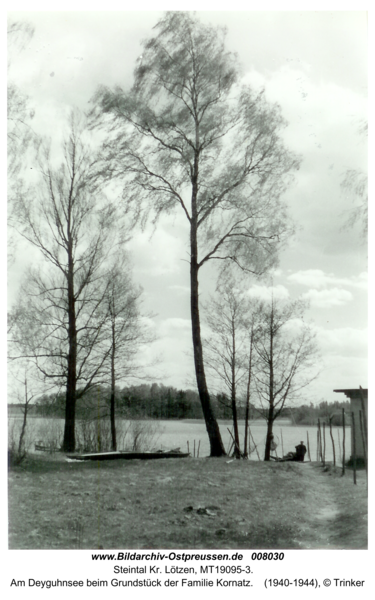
column 184, row 434
column 180, row 433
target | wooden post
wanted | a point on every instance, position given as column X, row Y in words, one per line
column 308, row 445
column 339, row 445
column 317, row 445
column 194, row 448
column 333, row 443
column 343, row 442
column 363, row 441
column 324, row 444
column 188, row 447
column 199, row 443
column 282, row 442
column 365, row 431
column 354, row 452
column 320, row 442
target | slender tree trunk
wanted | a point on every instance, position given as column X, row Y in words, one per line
column 247, row 412
column 237, row 451
column 112, row 407
column 270, row 419
column 113, row 422
column 23, row 431
column 70, row 405
column 216, row 444
column 113, row 386
column 24, row 423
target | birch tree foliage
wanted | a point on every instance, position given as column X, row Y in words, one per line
column 19, row 113
column 21, row 138
column 355, row 186
column 188, row 122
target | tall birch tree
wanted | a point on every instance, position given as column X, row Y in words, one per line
column 188, row 136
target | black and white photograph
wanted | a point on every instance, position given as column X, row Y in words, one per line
column 187, row 266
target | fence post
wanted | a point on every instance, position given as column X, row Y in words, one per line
column 324, row 444
column 282, row 442
column 361, row 424
column 333, row 443
column 339, row 444
column 364, row 417
column 308, row 445
column 320, row 442
column 354, row 452
column 343, row 442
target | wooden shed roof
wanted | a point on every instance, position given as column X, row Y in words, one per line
column 354, row 393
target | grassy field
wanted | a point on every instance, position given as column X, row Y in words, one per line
column 184, row 503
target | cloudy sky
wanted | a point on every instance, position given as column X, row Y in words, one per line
column 314, row 64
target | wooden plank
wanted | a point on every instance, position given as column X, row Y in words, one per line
column 128, row 455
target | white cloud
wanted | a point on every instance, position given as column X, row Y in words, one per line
column 160, row 254
column 328, row 298
column 147, row 323
column 320, row 114
column 345, row 341
column 294, row 326
column 169, row 327
column 277, row 272
column 316, row 278
column 340, row 372
column 264, row 292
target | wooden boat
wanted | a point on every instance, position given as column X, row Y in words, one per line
column 129, row 455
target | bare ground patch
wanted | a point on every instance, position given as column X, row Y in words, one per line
column 183, row 503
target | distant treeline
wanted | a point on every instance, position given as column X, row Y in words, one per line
column 133, row 402
column 325, row 411
column 157, row 401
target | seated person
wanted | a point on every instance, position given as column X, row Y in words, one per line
column 300, row 452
